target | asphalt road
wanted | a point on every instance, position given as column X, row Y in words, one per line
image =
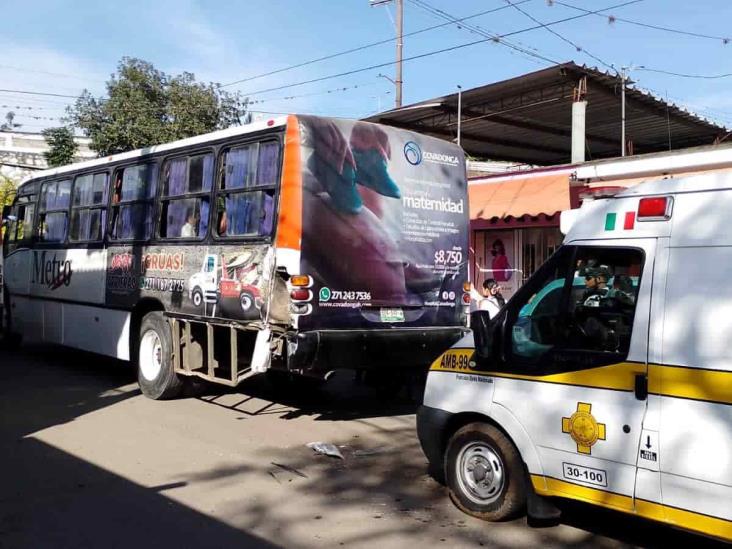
column 87, row 461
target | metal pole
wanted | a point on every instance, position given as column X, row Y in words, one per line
column 622, row 112
column 460, row 112
column 399, row 47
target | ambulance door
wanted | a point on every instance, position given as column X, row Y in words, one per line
column 574, row 367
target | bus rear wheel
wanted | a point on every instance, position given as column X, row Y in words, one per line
column 485, row 473
column 155, row 373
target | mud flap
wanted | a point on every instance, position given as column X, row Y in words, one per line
column 262, row 357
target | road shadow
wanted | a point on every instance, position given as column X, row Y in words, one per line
column 342, row 398
column 51, row 498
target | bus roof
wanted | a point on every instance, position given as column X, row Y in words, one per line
column 196, row 140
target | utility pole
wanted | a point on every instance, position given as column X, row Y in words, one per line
column 460, row 112
column 399, row 48
column 623, row 77
column 399, row 45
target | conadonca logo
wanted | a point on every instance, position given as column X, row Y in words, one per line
column 412, row 153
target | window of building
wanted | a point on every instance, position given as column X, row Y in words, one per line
column 578, row 309
column 88, row 208
column 246, row 194
column 186, row 196
column 53, row 211
column 132, row 202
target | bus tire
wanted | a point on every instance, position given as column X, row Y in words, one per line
column 485, row 474
column 155, row 373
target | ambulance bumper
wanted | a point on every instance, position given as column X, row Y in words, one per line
column 432, row 432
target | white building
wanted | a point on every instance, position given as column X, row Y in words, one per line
column 21, row 154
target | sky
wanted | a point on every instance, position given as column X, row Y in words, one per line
column 63, row 47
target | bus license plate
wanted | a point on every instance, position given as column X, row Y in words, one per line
column 392, row 315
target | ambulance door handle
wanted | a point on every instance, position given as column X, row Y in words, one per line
column 641, row 386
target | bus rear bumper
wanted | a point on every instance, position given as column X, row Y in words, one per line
column 322, row 351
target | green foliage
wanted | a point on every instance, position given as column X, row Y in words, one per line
column 145, row 106
column 62, row 146
column 7, row 191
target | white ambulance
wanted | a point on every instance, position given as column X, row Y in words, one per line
column 607, row 378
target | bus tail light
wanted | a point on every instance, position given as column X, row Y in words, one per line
column 655, row 208
column 301, row 294
column 466, row 287
column 466, row 299
column 301, row 281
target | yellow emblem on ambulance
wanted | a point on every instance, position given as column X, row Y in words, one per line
column 583, row 428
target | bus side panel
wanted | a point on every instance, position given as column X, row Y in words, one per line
column 219, row 281
column 385, row 226
column 110, row 329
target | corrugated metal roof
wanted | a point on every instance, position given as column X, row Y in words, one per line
column 529, row 118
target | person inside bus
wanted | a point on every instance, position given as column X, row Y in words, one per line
column 492, row 300
column 190, row 227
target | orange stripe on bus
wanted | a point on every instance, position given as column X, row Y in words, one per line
column 289, row 224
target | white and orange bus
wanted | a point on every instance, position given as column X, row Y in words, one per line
column 300, row 243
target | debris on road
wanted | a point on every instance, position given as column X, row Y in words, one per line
column 326, row 449
column 289, row 469
column 372, row 451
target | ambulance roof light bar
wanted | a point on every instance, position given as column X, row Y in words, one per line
column 655, row 208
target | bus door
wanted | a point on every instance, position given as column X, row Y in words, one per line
column 574, row 367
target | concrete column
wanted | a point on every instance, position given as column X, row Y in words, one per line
column 578, row 131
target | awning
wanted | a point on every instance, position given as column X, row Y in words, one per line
column 519, row 196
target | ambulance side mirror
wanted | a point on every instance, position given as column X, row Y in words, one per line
column 480, row 322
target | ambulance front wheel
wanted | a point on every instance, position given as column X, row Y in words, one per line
column 484, row 472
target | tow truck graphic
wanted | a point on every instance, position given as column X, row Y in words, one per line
column 230, row 285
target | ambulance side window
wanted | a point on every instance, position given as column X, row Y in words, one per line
column 577, row 312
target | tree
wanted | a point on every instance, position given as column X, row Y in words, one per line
column 9, row 125
column 7, row 191
column 144, row 106
column 62, row 146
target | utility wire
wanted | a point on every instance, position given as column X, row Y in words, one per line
column 477, row 30
column 684, row 75
column 360, row 48
column 562, row 38
column 497, row 38
column 612, row 18
column 40, row 93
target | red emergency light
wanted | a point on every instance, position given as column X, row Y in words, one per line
column 654, row 208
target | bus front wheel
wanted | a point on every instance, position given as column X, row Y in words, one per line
column 154, row 359
column 485, row 473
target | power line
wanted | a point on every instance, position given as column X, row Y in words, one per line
column 684, row 75
column 360, row 48
column 477, row 30
column 612, row 19
column 40, row 93
column 497, row 38
column 562, row 38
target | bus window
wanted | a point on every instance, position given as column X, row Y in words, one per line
column 185, row 201
column 54, row 211
column 246, row 198
column 20, row 228
column 88, row 207
column 132, row 202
